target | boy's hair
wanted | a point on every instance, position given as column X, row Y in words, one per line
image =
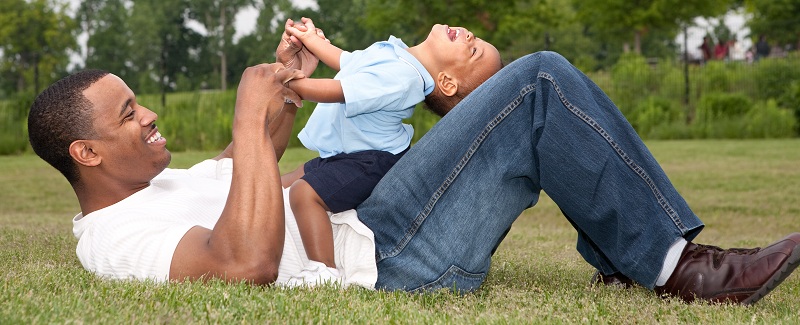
column 60, row 115
column 441, row 104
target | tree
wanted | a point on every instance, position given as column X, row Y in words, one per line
column 632, row 19
column 108, row 44
column 35, row 40
column 217, row 16
column 260, row 45
column 414, row 18
column 776, row 18
column 162, row 46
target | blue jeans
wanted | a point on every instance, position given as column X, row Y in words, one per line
column 538, row 124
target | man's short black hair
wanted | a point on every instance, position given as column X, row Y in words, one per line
column 60, row 115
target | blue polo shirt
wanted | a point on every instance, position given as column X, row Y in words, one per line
column 381, row 85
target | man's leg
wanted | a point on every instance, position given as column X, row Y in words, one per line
column 537, row 124
column 540, row 124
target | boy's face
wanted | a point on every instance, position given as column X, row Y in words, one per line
column 457, row 51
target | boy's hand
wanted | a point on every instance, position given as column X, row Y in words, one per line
column 306, row 31
column 315, row 41
column 291, row 52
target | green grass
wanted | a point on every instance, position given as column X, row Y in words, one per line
column 747, row 192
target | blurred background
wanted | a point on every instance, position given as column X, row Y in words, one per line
column 677, row 69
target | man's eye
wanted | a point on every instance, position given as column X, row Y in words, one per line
column 130, row 115
column 474, row 50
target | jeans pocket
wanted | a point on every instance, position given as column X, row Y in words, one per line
column 456, row 280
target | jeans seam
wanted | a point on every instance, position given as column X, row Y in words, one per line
column 452, row 270
column 638, row 170
column 494, row 122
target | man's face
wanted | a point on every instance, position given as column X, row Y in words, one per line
column 128, row 143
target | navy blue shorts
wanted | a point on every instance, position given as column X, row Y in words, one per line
column 345, row 180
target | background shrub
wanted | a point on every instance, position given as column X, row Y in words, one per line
column 769, row 121
column 724, row 100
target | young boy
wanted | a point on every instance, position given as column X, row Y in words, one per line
column 357, row 127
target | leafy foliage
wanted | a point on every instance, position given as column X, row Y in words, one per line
column 776, row 18
column 34, row 39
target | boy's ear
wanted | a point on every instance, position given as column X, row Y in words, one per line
column 82, row 152
column 447, row 84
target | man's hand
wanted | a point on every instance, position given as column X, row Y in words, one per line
column 291, row 52
column 263, row 87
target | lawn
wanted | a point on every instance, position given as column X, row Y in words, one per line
column 747, row 192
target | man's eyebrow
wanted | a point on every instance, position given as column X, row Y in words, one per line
column 124, row 107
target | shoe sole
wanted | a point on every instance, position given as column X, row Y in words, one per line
column 792, row 263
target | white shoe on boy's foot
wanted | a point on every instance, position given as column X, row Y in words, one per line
column 314, row 274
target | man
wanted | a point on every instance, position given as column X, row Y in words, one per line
column 433, row 221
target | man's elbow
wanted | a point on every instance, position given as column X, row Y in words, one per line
column 261, row 272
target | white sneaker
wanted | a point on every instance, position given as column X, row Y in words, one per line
column 314, row 274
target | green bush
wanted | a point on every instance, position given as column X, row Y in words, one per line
column 769, row 121
column 631, row 78
column 14, row 124
column 791, row 100
column 716, row 106
column 651, row 95
column 772, row 75
column 715, row 77
column 719, row 115
column 654, row 112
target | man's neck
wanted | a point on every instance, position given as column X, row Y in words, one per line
column 99, row 195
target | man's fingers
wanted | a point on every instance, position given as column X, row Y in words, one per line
column 286, row 75
column 289, row 96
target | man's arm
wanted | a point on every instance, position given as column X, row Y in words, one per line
column 247, row 241
column 280, row 130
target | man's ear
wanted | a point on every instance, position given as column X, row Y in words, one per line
column 447, row 84
column 82, row 152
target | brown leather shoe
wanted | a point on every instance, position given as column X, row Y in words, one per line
column 616, row 280
column 735, row 275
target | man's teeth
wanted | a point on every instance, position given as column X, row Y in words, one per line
column 154, row 138
column 458, row 31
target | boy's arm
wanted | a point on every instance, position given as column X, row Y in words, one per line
column 318, row 90
column 315, row 41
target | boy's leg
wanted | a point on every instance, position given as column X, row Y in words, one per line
column 289, row 178
column 313, row 222
column 537, row 124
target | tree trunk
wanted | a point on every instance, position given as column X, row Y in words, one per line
column 164, row 73
column 637, row 42
column 223, row 69
column 36, row 73
column 690, row 111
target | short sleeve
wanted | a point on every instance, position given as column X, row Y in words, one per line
column 392, row 86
